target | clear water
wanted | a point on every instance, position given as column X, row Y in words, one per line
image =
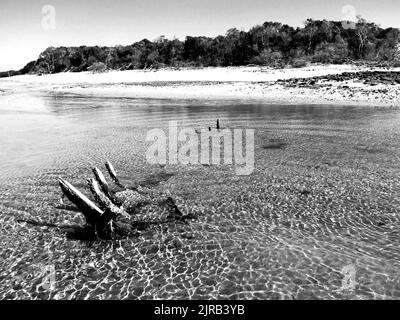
column 324, row 198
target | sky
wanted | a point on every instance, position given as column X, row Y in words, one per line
column 27, row 27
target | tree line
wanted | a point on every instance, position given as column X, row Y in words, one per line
column 270, row 44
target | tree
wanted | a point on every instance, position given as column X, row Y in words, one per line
column 336, row 52
column 47, row 59
column 389, row 45
column 271, row 44
column 269, row 58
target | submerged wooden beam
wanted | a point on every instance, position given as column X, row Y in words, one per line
column 102, row 182
column 108, row 220
column 103, row 200
column 113, row 174
column 101, row 221
column 91, row 212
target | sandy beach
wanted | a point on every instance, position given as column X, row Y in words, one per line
column 232, row 83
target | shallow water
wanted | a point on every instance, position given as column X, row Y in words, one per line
column 323, row 199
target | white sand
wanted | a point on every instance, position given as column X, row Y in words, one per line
column 248, row 74
column 249, row 83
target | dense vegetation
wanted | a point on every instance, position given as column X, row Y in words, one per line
column 271, row 44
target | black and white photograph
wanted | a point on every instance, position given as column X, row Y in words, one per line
column 199, row 150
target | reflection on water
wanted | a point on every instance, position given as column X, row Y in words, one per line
column 326, row 200
column 33, row 128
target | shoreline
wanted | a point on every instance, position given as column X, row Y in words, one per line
column 252, row 84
